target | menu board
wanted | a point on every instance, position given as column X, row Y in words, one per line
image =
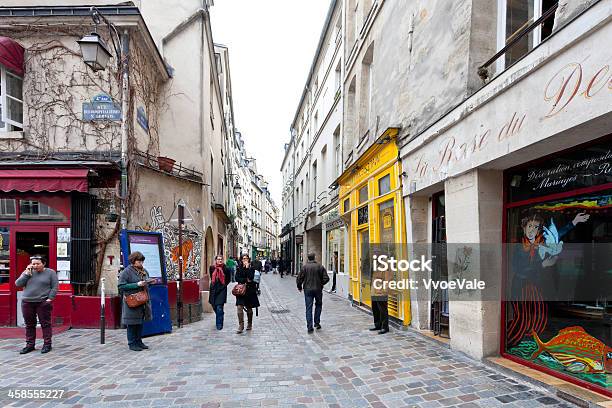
column 150, row 246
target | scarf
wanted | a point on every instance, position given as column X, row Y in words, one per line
column 531, row 247
column 218, row 275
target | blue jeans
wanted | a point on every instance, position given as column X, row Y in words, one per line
column 219, row 316
column 134, row 334
column 317, row 297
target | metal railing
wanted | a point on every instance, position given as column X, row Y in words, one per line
column 483, row 70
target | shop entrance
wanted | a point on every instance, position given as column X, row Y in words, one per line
column 440, row 321
column 363, row 247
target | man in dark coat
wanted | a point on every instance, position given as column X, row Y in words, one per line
column 220, row 277
column 312, row 278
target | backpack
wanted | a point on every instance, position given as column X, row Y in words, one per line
column 257, row 277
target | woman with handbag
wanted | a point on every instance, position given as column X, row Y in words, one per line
column 245, row 292
column 136, row 307
column 220, row 277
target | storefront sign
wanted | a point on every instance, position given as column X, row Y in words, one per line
column 559, row 95
column 585, row 167
column 101, row 107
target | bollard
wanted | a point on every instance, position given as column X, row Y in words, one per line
column 102, row 314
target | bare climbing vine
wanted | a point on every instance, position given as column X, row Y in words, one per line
column 56, row 83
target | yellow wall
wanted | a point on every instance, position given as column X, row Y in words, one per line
column 377, row 162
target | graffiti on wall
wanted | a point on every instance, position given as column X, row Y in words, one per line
column 191, row 248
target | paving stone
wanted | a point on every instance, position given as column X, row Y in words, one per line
column 276, row 364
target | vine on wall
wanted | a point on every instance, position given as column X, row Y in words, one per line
column 56, row 83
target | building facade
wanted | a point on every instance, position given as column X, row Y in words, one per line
column 61, row 189
column 313, row 160
column 492, row 130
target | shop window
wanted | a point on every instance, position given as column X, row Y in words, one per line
column 11, row 101
column 559, row 270
column 515, row 16
column 363, row 194
column 347, row 205
column 31, row 210
column 384, row 184
column 387, row 223
column 8, row 209
column 362, row 215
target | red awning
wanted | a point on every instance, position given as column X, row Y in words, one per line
column 11, row 55
column 43, row 180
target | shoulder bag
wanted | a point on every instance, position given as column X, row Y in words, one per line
column 239, row 289
column 137, row 299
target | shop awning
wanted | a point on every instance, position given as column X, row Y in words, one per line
column 11, row 55
column 44, row 180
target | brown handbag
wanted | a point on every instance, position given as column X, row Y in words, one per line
column 137, row 299
column 239, row 289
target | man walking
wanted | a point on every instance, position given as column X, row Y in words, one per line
column 40, row 287
column 230, row 264
column 312, row 278
column 380, row 300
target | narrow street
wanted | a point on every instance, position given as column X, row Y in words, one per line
column 277, row 364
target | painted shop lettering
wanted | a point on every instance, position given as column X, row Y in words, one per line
column 452, row 151
column 566, row 84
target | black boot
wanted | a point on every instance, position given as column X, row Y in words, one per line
column 27, row 349
column 46, row 348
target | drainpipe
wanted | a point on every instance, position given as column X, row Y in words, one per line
column 125, row 49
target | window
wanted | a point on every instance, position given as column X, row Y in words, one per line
column 338, row 78
column 363, row 194
column 347, row 205
column 384, row 184
column 11, row 101
column 337, row 156
column 316, row 122
column 365, row 98
column 514, row 16
column 7, row 209
column 314, row 180
column 30, row 210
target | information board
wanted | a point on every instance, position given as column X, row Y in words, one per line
column 151, row 246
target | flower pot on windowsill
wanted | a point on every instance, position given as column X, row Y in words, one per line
column 165, row 163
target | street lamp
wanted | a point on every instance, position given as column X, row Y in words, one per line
column 237, row 186
column 95, row 52
column 96, row 55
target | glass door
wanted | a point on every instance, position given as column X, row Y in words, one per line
column 29, row 241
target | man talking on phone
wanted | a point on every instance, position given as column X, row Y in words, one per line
column 40, row 287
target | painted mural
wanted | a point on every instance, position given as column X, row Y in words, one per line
column 191, row 248
column 570, row 335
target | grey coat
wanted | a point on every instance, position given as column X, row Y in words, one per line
column 128, row 284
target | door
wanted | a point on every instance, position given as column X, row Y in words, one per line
column 386, row 231
column 363, row 248
column 29, row 241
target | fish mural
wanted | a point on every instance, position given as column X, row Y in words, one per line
column 577, row 351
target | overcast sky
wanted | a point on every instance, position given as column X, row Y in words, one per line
column 271, row 46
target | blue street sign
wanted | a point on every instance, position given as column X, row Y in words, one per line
column 101, row 107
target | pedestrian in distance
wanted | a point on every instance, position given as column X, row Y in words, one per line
column 132, row 280
column 245, row 274
column 219, row 279
column 40, row 287
column 379, row 297
column 231, row 266
column 311, row 279
column 336, row 266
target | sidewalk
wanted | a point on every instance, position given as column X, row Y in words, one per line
column 277, row 364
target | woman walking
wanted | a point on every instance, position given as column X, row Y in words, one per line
column 245, row 275
column 135, row 279
column 219, row 279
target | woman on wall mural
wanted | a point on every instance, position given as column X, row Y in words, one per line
column 219, row 279
column 246, row 275
column 539, row 249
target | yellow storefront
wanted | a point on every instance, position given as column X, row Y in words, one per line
column 371, row 204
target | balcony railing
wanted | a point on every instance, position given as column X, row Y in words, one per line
column 483, row 70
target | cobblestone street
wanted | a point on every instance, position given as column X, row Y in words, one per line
column 277, row 364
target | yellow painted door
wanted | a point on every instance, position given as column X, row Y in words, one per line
column 365, row 274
